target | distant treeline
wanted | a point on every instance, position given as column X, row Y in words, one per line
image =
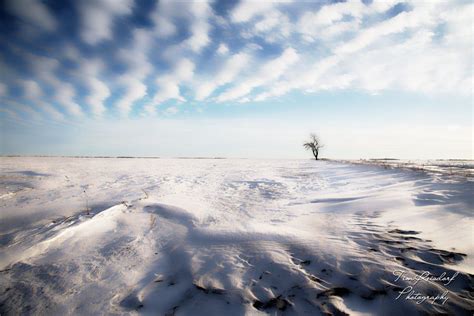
column 108, row 157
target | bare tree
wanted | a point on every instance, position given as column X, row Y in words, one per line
column 314, row 144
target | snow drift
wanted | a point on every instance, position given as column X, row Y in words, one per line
column 204, row 236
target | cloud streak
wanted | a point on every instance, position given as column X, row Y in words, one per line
column 97, row 18
column 124, row 58
column 33, row 12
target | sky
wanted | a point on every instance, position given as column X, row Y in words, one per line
column 247, row 79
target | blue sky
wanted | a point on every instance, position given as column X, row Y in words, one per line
column 236, row 78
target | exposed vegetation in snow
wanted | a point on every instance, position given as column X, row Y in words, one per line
column 222, row 236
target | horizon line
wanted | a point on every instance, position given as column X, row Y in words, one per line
column 218, row 157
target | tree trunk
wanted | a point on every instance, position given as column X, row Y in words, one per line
column 315, row 153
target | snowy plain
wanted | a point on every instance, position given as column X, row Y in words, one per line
column 232, row 237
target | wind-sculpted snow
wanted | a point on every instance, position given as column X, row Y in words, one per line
column 458, row 167
column 232, row 237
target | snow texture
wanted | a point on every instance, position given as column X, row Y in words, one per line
column 231, row 237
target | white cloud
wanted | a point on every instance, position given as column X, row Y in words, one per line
column 268, row 22
column 226, row 74
column 329, row 14
column 169, row 85
column 33, row 92
column 97, row 18
column 401, row 53
column 20, row 107
column 200, row 37
column 197, row 15
column 335, row 19
column 390, row 70
column 425, row 48
column 70, row 52
column 397, row 24
column 65, row 95
column 99, row 92
column 139, row 67
column 52, row 112
column 48, row 108
column 271, row 21
column 10, row 113
column 89, row 72
column 199, row 26
column 273, row 26
column 136, row 56
column 268, row 72
column 31, row 89
column 34, row 12
column 304, row 78
column 162, row 20
column 64, row 92
column 184, row 70
column 171, row 110
column 222, row 49
column 3, row 90
column 135, row 91
column 168, row 89
column 164, row 27
column 418, row 62
column 246, row 10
